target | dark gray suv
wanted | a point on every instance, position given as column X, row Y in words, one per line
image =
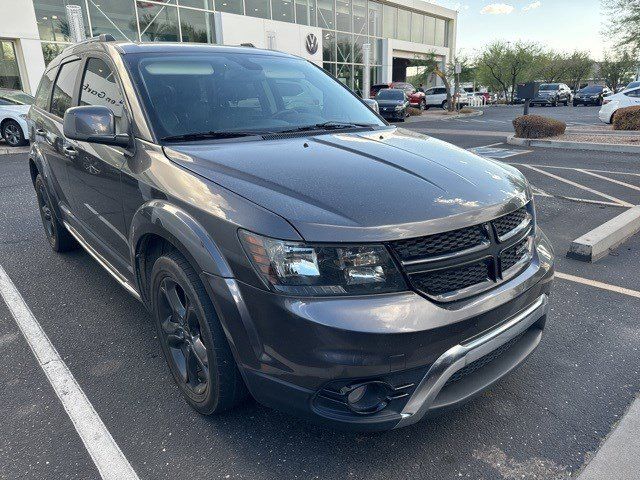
column 288, row 242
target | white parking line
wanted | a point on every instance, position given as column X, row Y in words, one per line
column 574, row 168
column 613, row 180
column 597, row 284
column 577, row 185
column 105, row 453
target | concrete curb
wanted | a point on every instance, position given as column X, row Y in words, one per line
column 421, row 118
column 597, row 243
column 13, row 150
column 599, row 147
column 618, row 456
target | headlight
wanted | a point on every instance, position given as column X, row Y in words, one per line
column 298, row 268
column 399, row 107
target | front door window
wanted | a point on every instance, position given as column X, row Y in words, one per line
column 9, row 71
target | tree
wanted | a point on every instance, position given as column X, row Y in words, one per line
column 502, row 65
column 431, row 66
column 551, row 67
column 624, row 22
column 617, row 69
column 579, row 67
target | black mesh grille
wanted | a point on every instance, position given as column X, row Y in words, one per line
column 483, row 361
column 433, row 245
column 510, row 221
column 444, row 281
column 514, row 254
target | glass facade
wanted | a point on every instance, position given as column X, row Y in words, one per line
column 9, row 71
column 347, row 25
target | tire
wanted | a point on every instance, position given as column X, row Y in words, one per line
column 423, row 105
column 13, row 134
column 58, row 236
column 444, row 105
column 566, row 103
column 194, row 344
column 575, row 104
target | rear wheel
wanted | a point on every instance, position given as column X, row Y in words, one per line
column 13, row 134
column 191, row 337
column 58, row 236
column 444, row 105
column 423, row 105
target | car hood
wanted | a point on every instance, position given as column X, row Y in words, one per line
column 15, row 109
column 371, row 186
column 390, row 103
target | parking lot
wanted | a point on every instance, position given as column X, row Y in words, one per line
column 542, row 422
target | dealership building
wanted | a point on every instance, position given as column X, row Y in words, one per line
column 330, row 33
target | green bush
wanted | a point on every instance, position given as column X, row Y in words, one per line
column 627, row 118
column 535, row 126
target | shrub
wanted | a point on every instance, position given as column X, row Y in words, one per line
column 414, row 112
column 535, row 126
column 627, row 118
column 467, row 110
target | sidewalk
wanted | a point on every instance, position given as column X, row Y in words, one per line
column 619, row 456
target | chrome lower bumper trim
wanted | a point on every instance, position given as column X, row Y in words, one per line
column 463, row 354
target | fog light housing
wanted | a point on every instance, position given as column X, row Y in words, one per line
column 367, row 398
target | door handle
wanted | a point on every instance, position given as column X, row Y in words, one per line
column 69, row 151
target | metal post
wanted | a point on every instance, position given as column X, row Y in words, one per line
column 366, row 75
column 76, row 23
column 526, row 106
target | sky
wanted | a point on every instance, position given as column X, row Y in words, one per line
column 564, row 25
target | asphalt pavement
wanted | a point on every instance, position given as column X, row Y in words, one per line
column 544, row 421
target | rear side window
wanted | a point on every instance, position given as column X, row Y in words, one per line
column 99, row 87
column 43, row 93
column 63, row 88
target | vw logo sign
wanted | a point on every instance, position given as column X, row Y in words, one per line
column 311, row 43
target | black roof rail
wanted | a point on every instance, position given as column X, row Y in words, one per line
column 248, row 45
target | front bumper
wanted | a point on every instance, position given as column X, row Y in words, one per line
column 544, row 101
column 392, row 114
column 299, row 354
column 586, row 101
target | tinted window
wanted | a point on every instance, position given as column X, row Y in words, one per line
column 201, row 92
column 549, row 86
column 63, row 88
column 16, row 97
column 390, row 94
column 44, row 90
column 593, row 90
column 633, row 93
column 99, row 87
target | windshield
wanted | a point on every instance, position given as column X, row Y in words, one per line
column 16, row 96
column 593, row 89
column 233, row 92
column 390, row 94
column 549, row 86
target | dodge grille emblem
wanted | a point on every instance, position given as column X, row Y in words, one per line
column 311, row 43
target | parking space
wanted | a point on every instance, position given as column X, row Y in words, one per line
column 543, row 421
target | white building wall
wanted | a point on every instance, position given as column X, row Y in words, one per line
column 18, row 23
column 234, row 29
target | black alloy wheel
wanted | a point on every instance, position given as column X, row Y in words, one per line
column 57, row 235
column 191, row 337
column 182, row 336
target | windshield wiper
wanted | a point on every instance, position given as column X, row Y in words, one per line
column 208, row 135
column 331, row 125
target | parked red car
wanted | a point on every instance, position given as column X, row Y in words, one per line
column 416, row 98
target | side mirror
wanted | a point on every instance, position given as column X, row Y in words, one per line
column 372, row 104
column 93, row 124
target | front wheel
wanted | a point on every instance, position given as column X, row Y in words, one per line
column 192, row 338
column 423, row 105
column 13, row 134
column 444, row 105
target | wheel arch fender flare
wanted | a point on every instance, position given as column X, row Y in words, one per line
column 166, row 220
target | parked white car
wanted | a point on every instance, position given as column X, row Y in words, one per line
column 14, row 106
column 436, row 97
column 613, row 103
